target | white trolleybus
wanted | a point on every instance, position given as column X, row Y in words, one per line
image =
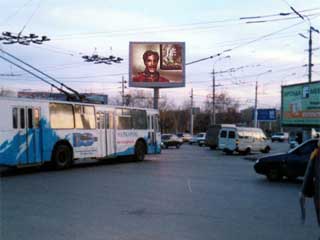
column 33, row 132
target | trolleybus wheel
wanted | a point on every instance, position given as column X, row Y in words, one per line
column 62, row 156
column 139, row 151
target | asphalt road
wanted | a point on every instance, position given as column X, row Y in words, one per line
column 186, row 193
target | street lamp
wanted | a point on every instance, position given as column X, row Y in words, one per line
column 256, row 99
column 311, row 29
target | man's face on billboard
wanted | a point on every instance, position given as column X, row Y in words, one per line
column 151, row 63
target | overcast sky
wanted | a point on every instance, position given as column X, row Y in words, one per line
column 271, row 52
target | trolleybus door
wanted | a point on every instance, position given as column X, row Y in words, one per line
column 102, row 134
column 110, row 133
column 33, row 135
column 153, row 131
column 28, row 151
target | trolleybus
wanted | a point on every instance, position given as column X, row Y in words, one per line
column 33, row 132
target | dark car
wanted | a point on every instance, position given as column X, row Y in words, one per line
column 170, row 140
column 292, row 164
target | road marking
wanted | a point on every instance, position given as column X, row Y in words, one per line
column 189, row 185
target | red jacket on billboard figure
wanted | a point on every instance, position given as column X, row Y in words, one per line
column 150, row 74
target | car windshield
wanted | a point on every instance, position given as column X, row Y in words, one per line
column 279, row 134
column 165, row 137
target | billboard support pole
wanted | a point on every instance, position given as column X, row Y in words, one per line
column 255, row 106
column 191, row 113
column 156, row 98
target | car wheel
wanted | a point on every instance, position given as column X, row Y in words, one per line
column 166, row 146
column 266, row 150
column 213, row 147
column 274, row 175
column 229, row 152
column 247, row 151
column 178, row 146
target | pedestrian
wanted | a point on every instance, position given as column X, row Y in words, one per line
column 311, row 184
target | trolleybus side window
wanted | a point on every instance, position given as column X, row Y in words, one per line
column 85, row 117
column 61, row 116
column 15, row 118
column 123, row 119
column 110, row 120
column 139, row 119
column 36, row 117
column 30, row 118
column 100, row 120
column 22, row 118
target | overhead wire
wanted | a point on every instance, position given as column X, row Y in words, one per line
column 15, row 12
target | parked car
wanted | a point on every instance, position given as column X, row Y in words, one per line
column 201, row 137
column 212, row 135
column 243, row 140
column 292, row 164
column 170, row 140
column 293, row 143
column 184, row 136
column 193, row 139
column 280, row 137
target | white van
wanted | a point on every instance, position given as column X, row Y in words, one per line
column 243, row 140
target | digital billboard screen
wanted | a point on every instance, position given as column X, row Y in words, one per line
column 157, row 64
column 301, row 104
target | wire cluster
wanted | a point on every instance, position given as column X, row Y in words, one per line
column 96, row 59
column 11, row 38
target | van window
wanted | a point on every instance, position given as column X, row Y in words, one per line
column 232, row 134
column 223, row 134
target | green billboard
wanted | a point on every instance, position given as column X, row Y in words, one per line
column 301, row 104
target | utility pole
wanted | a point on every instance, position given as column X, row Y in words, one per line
column 311, row 28
column 123, row 82
column 213, row 98
column 255, row 106
column 310, row 55
column 156, row 98
column 191, row 113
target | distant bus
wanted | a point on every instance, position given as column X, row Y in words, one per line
column 33, row 132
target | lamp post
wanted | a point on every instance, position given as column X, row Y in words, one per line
column 311, row 29
column 256, row 99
